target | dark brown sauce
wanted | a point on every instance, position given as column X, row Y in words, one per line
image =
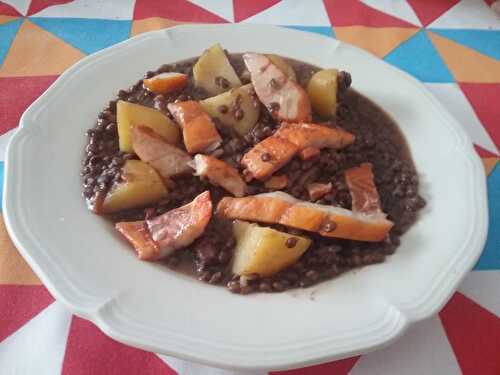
column 378, row 141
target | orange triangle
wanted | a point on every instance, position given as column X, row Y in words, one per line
column 13, row 268
column 5, row 19
column 377, row 40
column 36, row 52
column 489, row 164
column 153, row 23
column 466, row 64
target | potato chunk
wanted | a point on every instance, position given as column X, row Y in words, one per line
column 141, row 186
column 264, row 251
column 130, row 114
column 322, row 91
column 237, row 108
column 282, row 65
column 213, row 72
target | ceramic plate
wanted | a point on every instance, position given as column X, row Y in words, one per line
column 87, row 266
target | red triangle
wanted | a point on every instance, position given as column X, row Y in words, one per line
column 429, row 10
column 20, row 303
column 474, row 334
column 7, row 10
column 39, row 5
column 484, row 153
column 341, row 367
column 244, row 9
column 489, row 2
column 354, row 12
column 484, row 98
column 89, row 351
column 22, row 92
column 179, row 10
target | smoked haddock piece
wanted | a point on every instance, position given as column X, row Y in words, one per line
column 198, row 130
column 160, row 236
column 363, row 191
column 329, row 221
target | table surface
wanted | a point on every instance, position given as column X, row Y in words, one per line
column 452, row 46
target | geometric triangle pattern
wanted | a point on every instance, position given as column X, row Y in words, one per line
column 88, row 35
column 244, row 9
column 418, row 57
column 8, row 31
column 466, row 15
column 490, row 258
column 428, row 11
column 39, row 346
column 323, row 30
column 453, row 46
column 466, row 64
column 89, row 351
column 36, row 52
column 39, row 5
column 20, row 303
column 358, row 13
column 13, row 268
column 486, row 42
column 465, row 321
column 378, row 40
column 291, row 12
column 24, row 90
column 341, row 367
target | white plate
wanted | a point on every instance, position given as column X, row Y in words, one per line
column 89, row 268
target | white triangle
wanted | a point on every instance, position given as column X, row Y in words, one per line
column 101, row 9
column 293, row 13
column 424, row 349
column 223, row 8
column 4, row 140
column 191, row 368
column 482, row 288
column 21, row 6
column 454, row 100
column 397, row 8
column 39, row 346
column 468, row 14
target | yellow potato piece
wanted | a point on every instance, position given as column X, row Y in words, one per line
column 264, row 251
column 322, row 91
column 211, row 67
column 141, row 186
column 282, row 65
column 130, row 114
column 228, row 99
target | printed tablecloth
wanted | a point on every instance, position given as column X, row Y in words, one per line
column 452, row 46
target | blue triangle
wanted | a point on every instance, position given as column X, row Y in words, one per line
column 88, row 35
column 323, row 30
column 484, row 41
column 8, row 32
column 490, row 258
column 418, row 57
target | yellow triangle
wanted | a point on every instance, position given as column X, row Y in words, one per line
column 489, row 164
column 13, row 268
column 154, row 23
column 466, row 64
column 377, row 40
column 5, row 19
column 36, row 52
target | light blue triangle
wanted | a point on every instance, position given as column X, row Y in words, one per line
column 484, row 41
column 323, row 30
column 8, row 32
column 87, row 35
column 418, row 57
column 490, row 258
